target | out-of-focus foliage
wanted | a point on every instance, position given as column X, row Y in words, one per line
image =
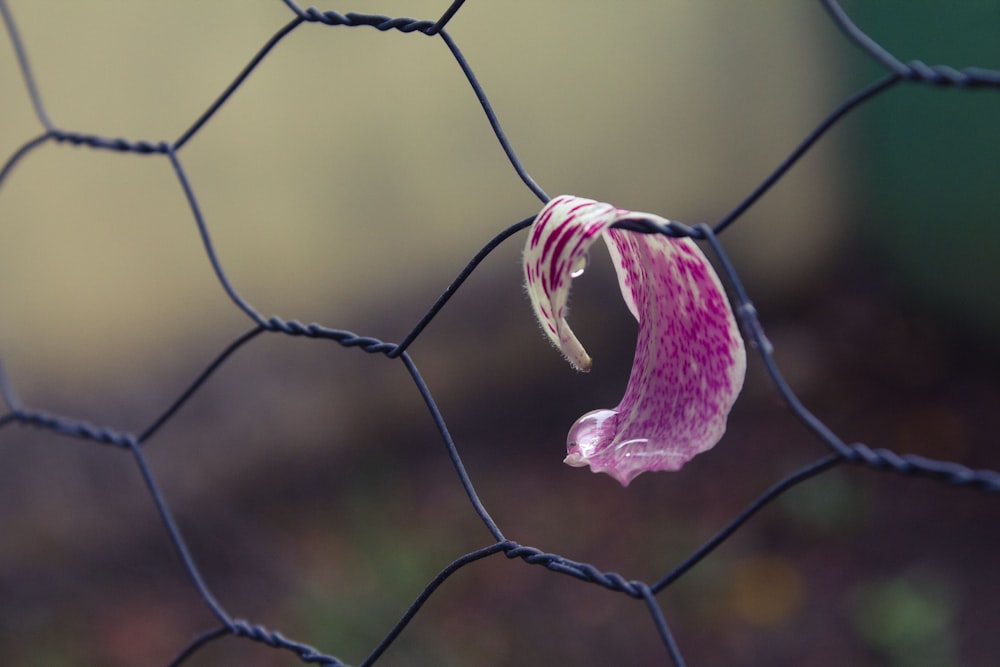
column 927, row 183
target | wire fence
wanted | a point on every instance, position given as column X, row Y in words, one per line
column 841, row 452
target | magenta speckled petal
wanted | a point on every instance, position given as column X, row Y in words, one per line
column 561, row 235
column 689, row 359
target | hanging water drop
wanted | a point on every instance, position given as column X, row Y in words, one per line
column 595, row 429
column 579, row 265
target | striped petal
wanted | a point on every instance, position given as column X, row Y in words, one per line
column 689, row 361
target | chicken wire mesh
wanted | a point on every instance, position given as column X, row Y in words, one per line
column 647, row 593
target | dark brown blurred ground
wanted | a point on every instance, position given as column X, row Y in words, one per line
column 855, row 567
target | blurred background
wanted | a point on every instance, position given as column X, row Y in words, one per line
column 347, row 182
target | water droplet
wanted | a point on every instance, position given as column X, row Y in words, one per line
column 593, row 430
column 579, row 265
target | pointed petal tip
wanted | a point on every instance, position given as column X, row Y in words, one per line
column 556, row 252
column 583, row 364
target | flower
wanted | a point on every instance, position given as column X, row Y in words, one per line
column 689, row 359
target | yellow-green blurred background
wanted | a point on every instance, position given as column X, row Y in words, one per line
column 346, row 182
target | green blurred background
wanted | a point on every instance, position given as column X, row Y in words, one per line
column 346, row 182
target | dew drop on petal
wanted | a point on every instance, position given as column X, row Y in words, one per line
column 590, row 431
column 579, row 265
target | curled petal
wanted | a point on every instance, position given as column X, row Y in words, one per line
column 560, row 238
column 689, row 361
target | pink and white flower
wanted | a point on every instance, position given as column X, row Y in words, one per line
column 689, row 359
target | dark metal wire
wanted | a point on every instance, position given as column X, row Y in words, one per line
column 456, row 460
column 849, row 105
column 195, row 385
column 7, row 392
column 425, row 595
column 29, row 146
column 244, row 73
column 175, row 534
column 198, row 643
column 662, row 628
column 915, row 70
column 855, row 454
column 457, row 282
column 447, row 16
column 494, row 121
column 305, row 653
column 764, row 499
column 25, row 66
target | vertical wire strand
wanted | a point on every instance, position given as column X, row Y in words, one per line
column 25, row 66
column 7, row 392
column 206, row 239
column 492, row 118
column 175, row 535
column 456, row 460
column 752, row 327
column 673, row 650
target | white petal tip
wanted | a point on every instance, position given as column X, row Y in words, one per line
column 583, row 365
